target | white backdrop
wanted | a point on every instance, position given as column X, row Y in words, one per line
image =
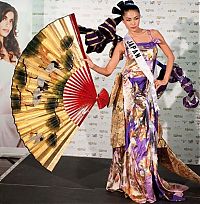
column 179, row 23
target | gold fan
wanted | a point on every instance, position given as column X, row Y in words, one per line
column 52, row 90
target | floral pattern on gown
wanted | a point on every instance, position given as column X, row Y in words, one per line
column 134, row 166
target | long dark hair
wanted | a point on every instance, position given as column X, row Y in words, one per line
column 10, row 42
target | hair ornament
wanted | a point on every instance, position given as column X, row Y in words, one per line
column 129, row 3
column 116, row 11
column 122, row 5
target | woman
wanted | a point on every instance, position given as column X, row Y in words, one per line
column 9, row 47
column 134, row 164
column 9, row 52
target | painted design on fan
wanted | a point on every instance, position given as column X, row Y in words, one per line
column 35, row 47
column 51, row 105
column 53, row 122
column 51, row 69
column 52, row 139
column 21, row 80
column 52, row 66
column 42, row 84
column 36, row 137
column 68, row 60
column 66, row 42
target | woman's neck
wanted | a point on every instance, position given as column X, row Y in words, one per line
column 138, row 31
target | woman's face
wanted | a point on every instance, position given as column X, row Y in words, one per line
column 131, row 20
column 6, row 24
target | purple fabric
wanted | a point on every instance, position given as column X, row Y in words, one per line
column 177, row 198
column 156, row 119
column 141, row 81
column 140, row 149
column 149, row 191
column 130, row 125
column 127, row 138
column 150, row 44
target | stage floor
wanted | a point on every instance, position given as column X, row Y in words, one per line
column 75, row 180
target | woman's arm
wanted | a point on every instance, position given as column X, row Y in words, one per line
column 109, row 68
column 170, row 58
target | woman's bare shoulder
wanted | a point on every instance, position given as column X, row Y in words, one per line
column 156, row 34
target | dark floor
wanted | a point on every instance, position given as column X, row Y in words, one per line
column 75, row 180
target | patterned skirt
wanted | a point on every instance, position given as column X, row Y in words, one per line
column 134, row 166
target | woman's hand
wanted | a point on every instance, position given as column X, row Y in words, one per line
column 89, row 61
column 159, row 83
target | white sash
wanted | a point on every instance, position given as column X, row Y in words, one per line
column 137, row 55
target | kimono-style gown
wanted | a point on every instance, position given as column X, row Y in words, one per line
column 134, row 168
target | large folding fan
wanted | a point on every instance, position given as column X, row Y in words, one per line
column 52, row 90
